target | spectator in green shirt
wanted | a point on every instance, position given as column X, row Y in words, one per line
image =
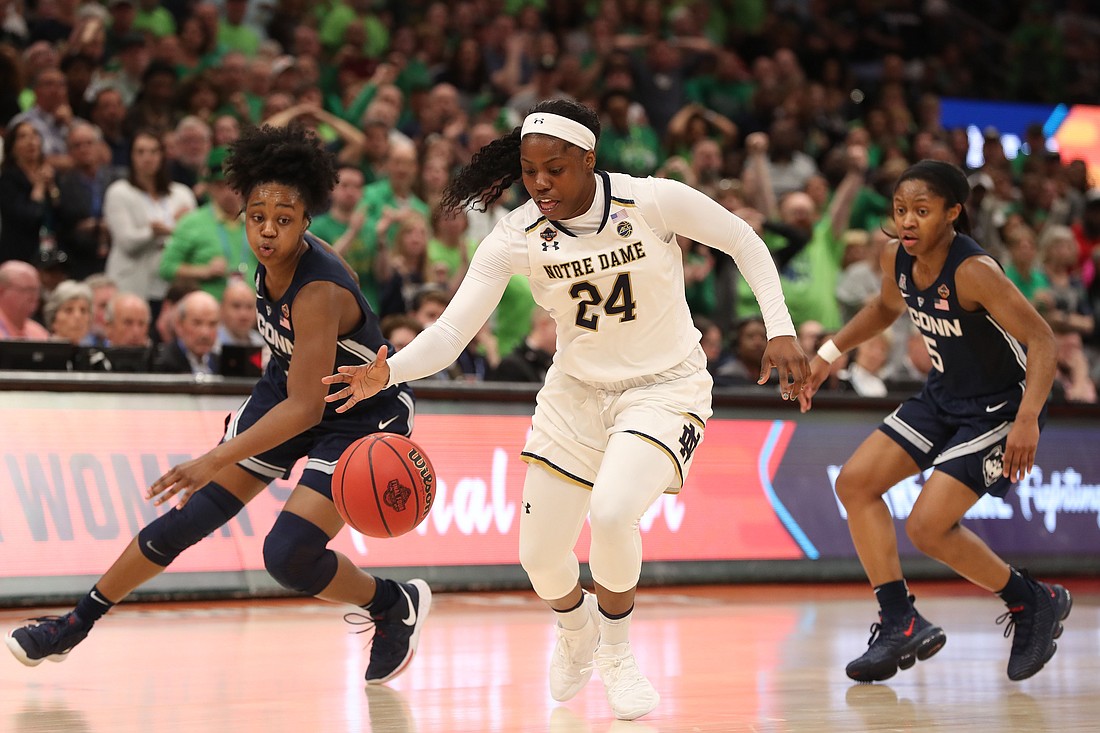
column 154, row 19
column 342, row 226
column 1023, row 266
column 209, row 244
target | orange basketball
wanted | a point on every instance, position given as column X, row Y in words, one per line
column 383, row 485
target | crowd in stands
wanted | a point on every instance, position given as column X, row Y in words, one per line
column 117, row 228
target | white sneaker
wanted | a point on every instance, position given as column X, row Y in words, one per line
column 571, row 664
column 629, row 693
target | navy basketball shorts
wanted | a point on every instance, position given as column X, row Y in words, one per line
column 573, row 420
column 965, row 440
column 324, row 443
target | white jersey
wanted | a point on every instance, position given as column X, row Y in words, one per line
column 612, row 279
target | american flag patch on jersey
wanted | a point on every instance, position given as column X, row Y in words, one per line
column 941, row 305
column 620, row 214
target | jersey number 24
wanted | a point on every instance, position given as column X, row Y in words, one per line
column 620, row 301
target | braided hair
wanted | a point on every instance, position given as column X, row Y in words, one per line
column 496, row 167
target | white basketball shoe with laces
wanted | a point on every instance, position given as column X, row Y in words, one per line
column 629, row 693
column 571, row 663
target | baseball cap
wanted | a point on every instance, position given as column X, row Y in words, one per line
column 215, row 162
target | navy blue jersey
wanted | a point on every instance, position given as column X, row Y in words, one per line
column 275, row 318
column 972, row 355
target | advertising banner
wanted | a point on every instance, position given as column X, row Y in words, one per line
column 73, row 469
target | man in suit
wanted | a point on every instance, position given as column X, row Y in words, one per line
column 197, row 318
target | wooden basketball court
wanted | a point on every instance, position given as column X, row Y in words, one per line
column 730, row 658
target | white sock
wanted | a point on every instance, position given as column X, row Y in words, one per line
column 573, row 620
column 615, row 631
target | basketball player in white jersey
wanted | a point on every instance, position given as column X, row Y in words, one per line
column 626, row 401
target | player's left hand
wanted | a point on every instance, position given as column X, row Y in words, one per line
column 784, row 353
column 1020, row 446
column 364, row 381
column 184, row 480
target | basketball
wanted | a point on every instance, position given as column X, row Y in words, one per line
column 383, row 485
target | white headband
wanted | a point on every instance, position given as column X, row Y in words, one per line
column 563, row 128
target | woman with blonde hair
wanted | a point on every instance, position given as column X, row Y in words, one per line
column 402, row 263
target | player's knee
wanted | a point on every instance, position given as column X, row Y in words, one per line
column 608, row 518
column 163, row 539
column 296, row 555
column 925, row 535
column 852, row 485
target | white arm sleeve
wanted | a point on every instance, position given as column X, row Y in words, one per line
column 437, row 346
column 684, row 210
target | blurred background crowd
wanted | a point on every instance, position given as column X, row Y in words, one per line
column 117, row 229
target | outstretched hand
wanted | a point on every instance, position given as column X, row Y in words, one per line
column 364, row 381
column 784, row 353
column 819, row 372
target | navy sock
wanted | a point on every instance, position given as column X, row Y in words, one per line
column 893, row 598
column 385, row 596
column 92, row 606
column 1017, row 590
column 617, row 616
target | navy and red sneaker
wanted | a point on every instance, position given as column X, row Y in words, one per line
column 50, row 637
column 896, row 643
column 1037, row 623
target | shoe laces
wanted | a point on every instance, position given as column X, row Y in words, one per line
column 54, row 625
column 1012, row 615
column 617, row 668
column 876, row 632
column 367, row 621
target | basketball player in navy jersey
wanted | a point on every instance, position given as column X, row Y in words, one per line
column 313, row 316
column 976, row 421
column 625, row 403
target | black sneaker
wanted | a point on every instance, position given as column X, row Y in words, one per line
column 50, row 637
column 895, row 644
column 1037, row 624
column 397, row 632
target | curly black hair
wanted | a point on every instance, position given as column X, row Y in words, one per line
column 495, row 167
column 290, row 156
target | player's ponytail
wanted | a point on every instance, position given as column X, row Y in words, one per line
column 945, row 180
column 495, row 167
column 490, row 173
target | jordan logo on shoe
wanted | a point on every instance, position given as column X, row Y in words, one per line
column 409, row 620
column 912, row 622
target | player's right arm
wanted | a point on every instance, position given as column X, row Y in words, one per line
column 437, row 346
column 873, row 318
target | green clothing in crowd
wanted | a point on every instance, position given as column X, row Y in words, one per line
column 360, row 253
column 1035, row 280
column 158, row 22
column 199, row 237
column 809, row 279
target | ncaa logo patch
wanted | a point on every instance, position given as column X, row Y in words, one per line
column 549, row 233
column 993, row 465
column 624, row 229
column 396, row 496
column 943, row 291
column 286, row 310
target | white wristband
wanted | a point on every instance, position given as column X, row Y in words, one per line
column 829, row 352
